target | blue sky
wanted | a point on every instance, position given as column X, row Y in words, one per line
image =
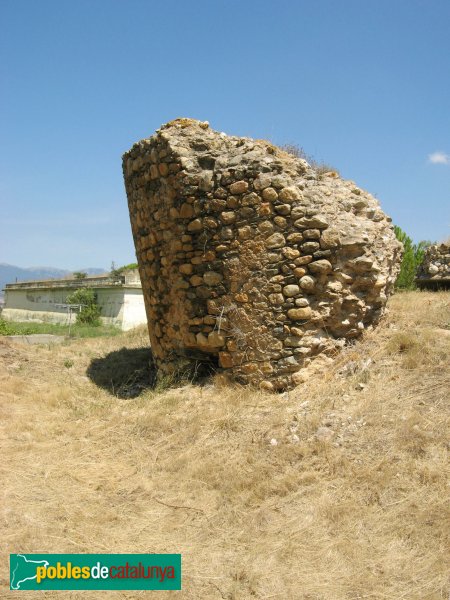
column 361, row 84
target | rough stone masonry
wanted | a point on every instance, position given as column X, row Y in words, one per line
column 434, row 271
column 250, row 260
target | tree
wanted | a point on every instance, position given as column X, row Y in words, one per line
column 90, row 310
column 120, row 270
column 79, row 274
column 412, row 258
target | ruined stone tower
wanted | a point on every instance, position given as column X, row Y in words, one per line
column 434, row 271
column 250, row 260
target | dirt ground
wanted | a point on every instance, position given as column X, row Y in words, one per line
column 337, row 490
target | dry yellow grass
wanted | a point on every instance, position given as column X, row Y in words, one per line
column 351, row 502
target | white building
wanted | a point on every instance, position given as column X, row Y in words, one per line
column 120, row 299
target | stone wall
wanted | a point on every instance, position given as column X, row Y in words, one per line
column 435, row 267
column 249, row 259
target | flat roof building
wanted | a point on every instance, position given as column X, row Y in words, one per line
column 119, row 298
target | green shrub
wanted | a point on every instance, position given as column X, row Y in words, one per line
column 120, row 270
column 412, row 258
column 90, row 311
column 12, row 328
column 5, row 328
column 77, row 331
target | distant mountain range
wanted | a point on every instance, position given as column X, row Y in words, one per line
column 11, row 273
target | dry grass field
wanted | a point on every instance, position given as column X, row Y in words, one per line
column 337, row 490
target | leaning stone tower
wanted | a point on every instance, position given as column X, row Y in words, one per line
column 250, row 260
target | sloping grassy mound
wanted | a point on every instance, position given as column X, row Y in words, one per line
column 336, row 490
